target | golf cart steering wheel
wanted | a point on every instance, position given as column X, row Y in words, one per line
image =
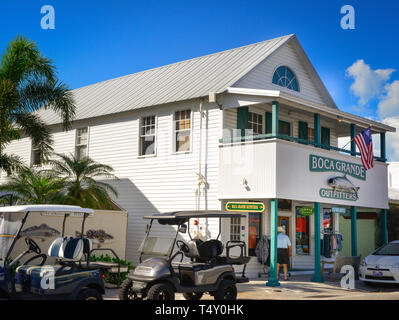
column 32, row 245
column 182, row 246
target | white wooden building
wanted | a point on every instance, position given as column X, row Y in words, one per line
column 242, row 123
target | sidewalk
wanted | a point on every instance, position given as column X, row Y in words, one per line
column 300, row 287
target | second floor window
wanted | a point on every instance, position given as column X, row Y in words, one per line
column 147, row 136
column 182, row 131
column 35, row 156
column 255, row 123
column 81, row 143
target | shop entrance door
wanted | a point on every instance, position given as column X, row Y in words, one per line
column 285, row 223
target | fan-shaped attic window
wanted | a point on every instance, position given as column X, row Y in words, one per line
column 284, row 77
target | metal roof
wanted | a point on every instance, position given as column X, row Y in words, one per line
column 175, row 82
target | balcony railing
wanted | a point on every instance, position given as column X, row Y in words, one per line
column 269, row 136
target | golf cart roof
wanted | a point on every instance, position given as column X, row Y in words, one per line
column 179, row 217
column 47, row 208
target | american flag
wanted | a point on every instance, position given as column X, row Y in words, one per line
column 365, row 144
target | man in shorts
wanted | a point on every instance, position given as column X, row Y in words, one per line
column 283, row 251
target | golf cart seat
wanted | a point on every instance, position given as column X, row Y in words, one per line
column 71, row 250
column 204, row 251
column 61, row 248
column 55, row 250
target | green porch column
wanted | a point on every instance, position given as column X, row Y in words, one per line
column 384, row 227
column 275, row 118
column 273, row 279
column 317, row 277
column 353, row 144
column 353, row 231
column 383, row 152
column 317, row 131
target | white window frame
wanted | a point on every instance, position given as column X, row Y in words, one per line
column 33, row 149
column 87, row 142
column 232, row 225
column 155, row 136
column 262, row 123
column 174, row 151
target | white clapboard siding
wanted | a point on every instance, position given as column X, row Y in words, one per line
column 261, row 77
column 166, row 182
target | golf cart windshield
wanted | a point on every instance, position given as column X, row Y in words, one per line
column 10, row 223
column 157, row 246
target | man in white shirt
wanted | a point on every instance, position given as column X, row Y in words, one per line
column 283, row 251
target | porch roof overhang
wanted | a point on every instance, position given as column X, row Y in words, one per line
column 238, row 97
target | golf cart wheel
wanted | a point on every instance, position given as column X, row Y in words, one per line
column 126, row 291
column 161, row 291
column 193, row 295
column 90, row 294
column 227, row 290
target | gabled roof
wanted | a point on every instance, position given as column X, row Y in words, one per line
column 180, row 81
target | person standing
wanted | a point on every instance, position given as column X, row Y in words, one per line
column 283, row 251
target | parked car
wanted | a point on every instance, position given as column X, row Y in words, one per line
column 382, row 265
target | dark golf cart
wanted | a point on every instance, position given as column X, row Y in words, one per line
column 67, row 278
column 160, row 275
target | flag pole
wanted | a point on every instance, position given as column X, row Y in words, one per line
column 352, row 140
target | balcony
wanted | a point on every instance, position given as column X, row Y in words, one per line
column 260, row 137
column 269, row 166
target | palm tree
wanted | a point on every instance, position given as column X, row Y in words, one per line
column 35, row 187
column 28, row 83
column 81, row 186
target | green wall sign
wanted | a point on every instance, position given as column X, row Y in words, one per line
column 306, row 211
column 245, row 206
column 338, row 210
column 323, row 164
column 337, row 194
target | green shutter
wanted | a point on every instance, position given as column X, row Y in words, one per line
column 303, row 130
column 242, row 119
column 268, row 122
column 325, row 137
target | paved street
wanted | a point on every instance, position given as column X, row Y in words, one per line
column 301, row 288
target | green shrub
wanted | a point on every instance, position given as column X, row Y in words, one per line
column 113, row 277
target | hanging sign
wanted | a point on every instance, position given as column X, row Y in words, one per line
column 245, row 206
column 338, row 210
column 306, row 211
column 323, row 164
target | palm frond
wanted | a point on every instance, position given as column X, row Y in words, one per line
column 36, row 129
column 11, row 163
column 23, row 60
column 48, row 95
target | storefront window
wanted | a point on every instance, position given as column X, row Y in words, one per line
column 254, row 231
column 235, row 227
column 302, row 233
column 328, row 221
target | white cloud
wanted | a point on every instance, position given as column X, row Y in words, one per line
column 392, row 143
column 389, row 104
column 368, row 83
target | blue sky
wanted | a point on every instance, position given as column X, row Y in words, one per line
column 99, row 40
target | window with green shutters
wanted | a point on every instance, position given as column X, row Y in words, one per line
column 303, row 130
column 284, row 127
column 325, row 137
